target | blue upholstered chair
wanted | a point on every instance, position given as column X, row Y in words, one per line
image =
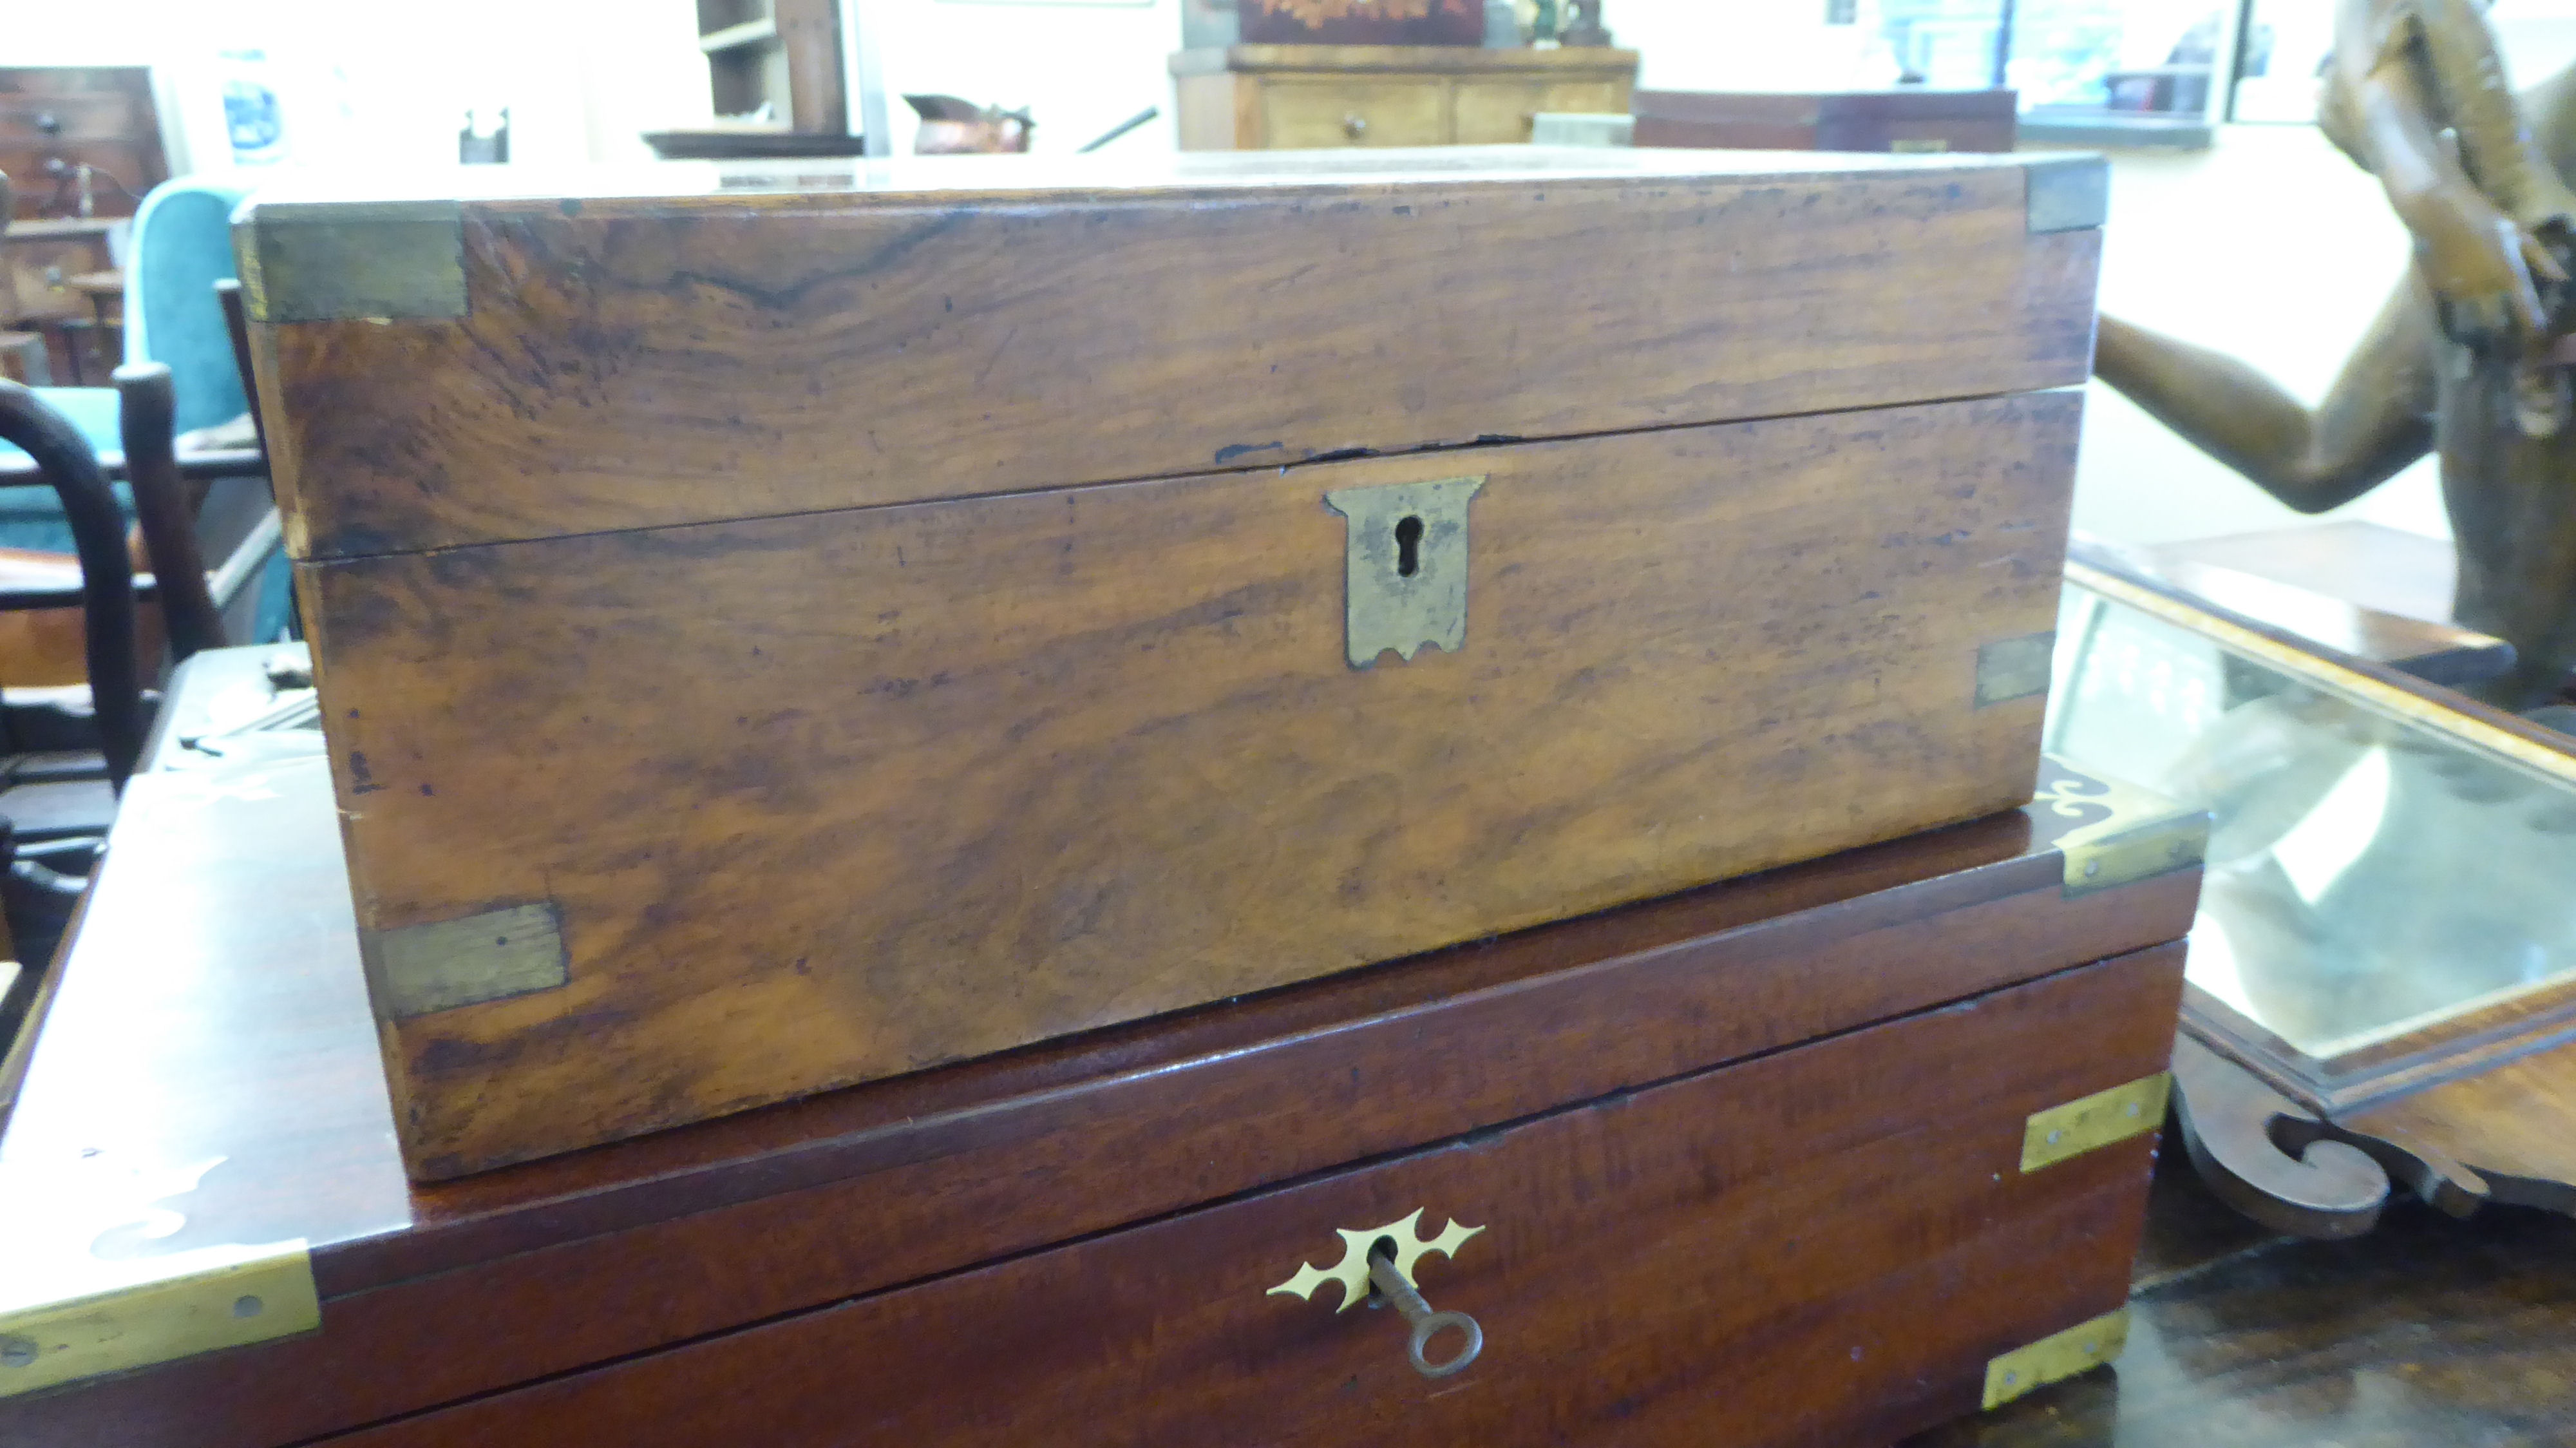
column 181, row 246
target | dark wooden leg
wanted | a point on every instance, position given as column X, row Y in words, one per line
column 237, row 322
column 145, row 405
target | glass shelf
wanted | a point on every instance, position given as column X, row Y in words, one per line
column 2379, row 868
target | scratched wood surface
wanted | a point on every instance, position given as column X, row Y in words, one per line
column 1823, row 1246
column 942, row 330
column 831, row 798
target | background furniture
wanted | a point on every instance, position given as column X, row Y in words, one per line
column 39, row 262
column 56, row 800
column 1305, row 22
column 23, row 359
column 1747, row 1220
column 783, row 54
column 54, row 121
column 170, row 314
column 1909, row 118
column 774, row 68
column 1255, row 97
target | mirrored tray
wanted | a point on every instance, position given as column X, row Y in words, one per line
column 2384, row 965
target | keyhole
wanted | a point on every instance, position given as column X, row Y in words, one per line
column 1408, row 547
column 1383, row 1246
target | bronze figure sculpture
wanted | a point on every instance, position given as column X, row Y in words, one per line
column 2468, row 356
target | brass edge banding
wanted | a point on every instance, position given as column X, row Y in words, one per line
column 261, row 1297
column 339, row 262
column 2015, row 668
column 414, row 970
column 2089, row 1123
column 2141, row 834
column 2067, row 193
column 2056, row 1357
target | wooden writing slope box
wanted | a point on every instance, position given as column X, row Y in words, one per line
column 775, row 638
column 1811, row 1158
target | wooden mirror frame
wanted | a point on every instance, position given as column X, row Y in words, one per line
column 2474, row 1108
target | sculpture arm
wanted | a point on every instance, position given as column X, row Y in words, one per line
column 2376, row 419
column 2386, row 106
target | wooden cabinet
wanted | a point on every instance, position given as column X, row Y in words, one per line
column 1284, row 97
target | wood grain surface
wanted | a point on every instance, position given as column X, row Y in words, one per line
column 435, row 1294
column 831, row 798
column 633, row 362
column 1821, row 1246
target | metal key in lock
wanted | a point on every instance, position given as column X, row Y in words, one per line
column 1383, row 1258
column 1426, row 1324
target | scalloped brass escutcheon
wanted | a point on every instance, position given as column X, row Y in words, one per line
column 1405, row 567
column 1352, row 1272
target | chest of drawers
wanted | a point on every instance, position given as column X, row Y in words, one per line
column 1296, row 97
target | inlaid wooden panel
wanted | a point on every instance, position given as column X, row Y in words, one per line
column 827, row 798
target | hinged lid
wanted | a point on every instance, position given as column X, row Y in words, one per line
column 696, row 342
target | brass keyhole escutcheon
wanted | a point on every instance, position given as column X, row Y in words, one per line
column 1404, row 567
column 1379, row 1262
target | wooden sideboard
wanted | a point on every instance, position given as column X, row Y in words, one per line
column 1282, row 97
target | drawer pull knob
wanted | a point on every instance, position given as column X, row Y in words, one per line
column 1383, row 1258
column 1354, row 125
column 1426, row 1323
